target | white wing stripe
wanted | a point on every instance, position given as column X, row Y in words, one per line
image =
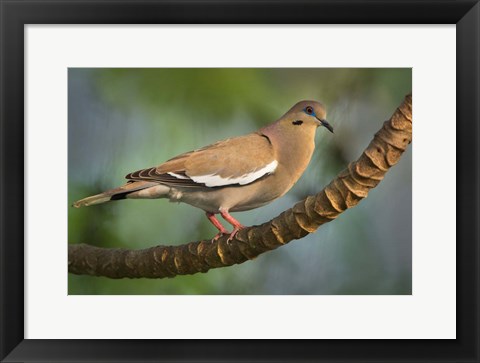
column 178, row 176
column 213, row 180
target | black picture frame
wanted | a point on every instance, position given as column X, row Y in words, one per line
column 16, row 14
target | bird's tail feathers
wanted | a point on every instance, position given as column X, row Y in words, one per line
column 113, row 194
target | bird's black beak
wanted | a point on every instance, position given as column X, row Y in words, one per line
column 326, row 124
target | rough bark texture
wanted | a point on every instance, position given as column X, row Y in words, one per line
column 345, row 191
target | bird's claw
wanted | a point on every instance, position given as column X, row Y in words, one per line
column 234, row 232
column 218, row 235
column 231, row 235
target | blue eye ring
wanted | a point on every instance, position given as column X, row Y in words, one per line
column 309, row 110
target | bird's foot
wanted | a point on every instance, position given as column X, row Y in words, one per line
column 218, row 235
column 234, row 232
column 221, row 229
column 236, row 224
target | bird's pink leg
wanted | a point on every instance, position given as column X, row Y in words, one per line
column 236, row 224
column 221, row 229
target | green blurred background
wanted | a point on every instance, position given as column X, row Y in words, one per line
column 122, row 120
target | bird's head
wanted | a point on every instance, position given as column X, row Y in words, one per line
column 307, row 114
column 293, row 135
column 299, row 124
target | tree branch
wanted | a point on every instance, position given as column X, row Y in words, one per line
column 345, row 191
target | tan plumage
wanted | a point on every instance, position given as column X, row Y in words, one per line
column 213, row 159
column 235, row 174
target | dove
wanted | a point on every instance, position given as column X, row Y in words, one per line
column 232, row 175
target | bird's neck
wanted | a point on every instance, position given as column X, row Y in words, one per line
column 294, row 151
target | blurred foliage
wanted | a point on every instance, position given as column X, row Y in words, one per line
column 122, row 120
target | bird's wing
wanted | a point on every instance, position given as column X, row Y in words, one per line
column 237, row 161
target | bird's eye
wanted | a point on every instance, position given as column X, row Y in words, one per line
column 309, row 110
